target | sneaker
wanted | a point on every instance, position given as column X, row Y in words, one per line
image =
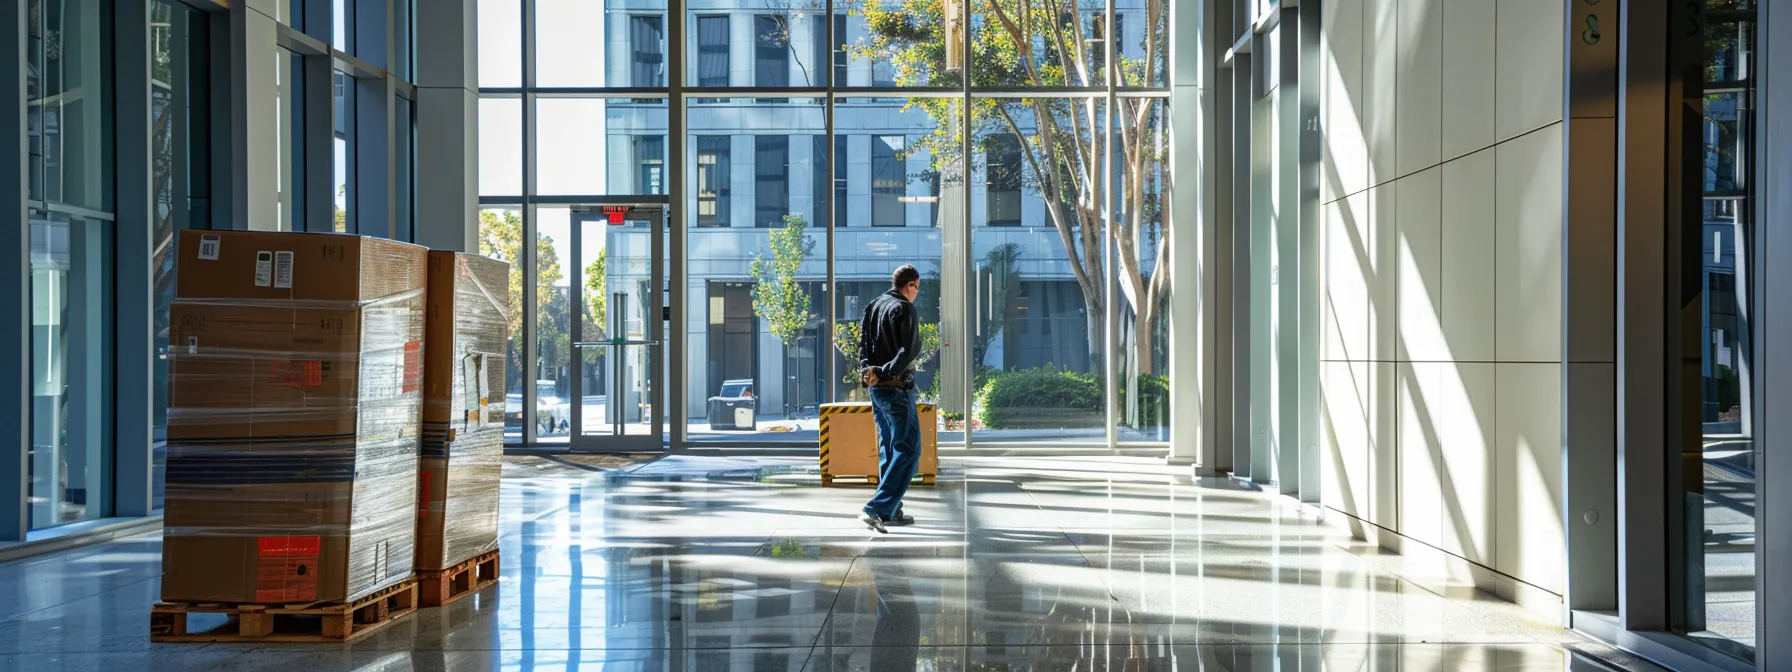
column 872, row 521
column 901, row 520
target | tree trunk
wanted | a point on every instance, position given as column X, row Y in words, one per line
column 1144, row 340
column 1098, row 364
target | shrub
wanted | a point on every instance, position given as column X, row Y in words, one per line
column 1043, row 398
column 1154, row 403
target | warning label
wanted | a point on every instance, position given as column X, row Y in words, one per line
column 298, row 373
column 286, row 570
column 413, row 367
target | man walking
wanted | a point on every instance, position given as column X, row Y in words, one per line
column 889, row 340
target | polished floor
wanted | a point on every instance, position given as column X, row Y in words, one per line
column 697, row 563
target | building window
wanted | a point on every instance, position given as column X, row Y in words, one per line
column 1120, row 34
column 887, row 180
column 343, row 90
column 771, row 180
column 933, row 198
column 771, row 52
column 712, row 181
column 817, row 69
column 823, row 195
column 649, row 62
column 840, row 58
column 712, row 51
column 1004, row 180
column 650, row 155
column 69, row 129
column 405, row 155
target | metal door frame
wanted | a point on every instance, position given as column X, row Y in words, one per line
column 653, row 335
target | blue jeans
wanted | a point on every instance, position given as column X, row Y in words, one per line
column 898, row 448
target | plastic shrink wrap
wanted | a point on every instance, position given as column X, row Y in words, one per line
column 295, row 383
column 463, row 416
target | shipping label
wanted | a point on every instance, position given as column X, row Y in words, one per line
column 287, row 568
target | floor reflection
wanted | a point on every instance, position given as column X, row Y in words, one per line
column 734, row 563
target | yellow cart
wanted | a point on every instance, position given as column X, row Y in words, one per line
column 849, row 442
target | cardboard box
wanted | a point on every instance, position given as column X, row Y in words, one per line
column 463, row 412
column 294, row 393
column 849, row 440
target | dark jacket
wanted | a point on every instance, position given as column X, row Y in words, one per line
column 890, row 338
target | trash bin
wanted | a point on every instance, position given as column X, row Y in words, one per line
column 725, row 409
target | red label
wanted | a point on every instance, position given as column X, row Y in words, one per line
column 287, row 569
column 300, row 373
column 413, row 366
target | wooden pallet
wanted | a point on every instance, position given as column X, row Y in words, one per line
column 827, row 480
column 442, row 587
column 328, row 623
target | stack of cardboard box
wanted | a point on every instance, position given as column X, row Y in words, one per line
column 298, row 368
column 295, row 383
column 463, row 415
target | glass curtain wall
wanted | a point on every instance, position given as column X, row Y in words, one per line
column 180, row 98
column 70, row 121
column 1719, row 607
column 825, row 145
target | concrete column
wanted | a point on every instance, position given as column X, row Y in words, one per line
column 1589, row 315
column 1643, row 313
column 1773, row 335
column 15, row 284
column 1192, row 235
column 133, row 362
column 447, row 172
column 251, row 131
column 1311, row 161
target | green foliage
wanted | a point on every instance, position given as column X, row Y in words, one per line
column 501, row 237
column 778, row 296
column 930, row 344
column 597, row 303
column 1029, row 44
column 1154, row 399
column 846, row 340
column 1042, row 398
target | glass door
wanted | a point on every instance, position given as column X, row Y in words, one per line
column 618, row 322
column 1719, row 472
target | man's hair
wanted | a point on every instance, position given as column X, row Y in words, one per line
column 903, row 276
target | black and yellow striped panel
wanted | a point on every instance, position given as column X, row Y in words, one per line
column 828, row 410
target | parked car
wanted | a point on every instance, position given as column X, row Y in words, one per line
column 552, row 414
column 734, row 407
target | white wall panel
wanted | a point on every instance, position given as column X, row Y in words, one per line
column 1417, row 211
column 1528, row 474
column 1468, row 265
column 1528, row 258
column 1528, row 60
column 1346, row 169
column 1468, row 74
column 1418, row 87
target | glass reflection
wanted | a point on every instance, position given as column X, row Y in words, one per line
column 71, row 376
column 1720, row 569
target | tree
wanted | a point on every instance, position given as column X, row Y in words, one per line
column 846, row 340
column 597, row 303
column 1021, row 44
column 501, row 237
column 778, row 296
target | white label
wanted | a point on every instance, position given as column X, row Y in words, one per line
column 264, row 269
column 208, row 247
column 192, row 345
column 283, row 270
